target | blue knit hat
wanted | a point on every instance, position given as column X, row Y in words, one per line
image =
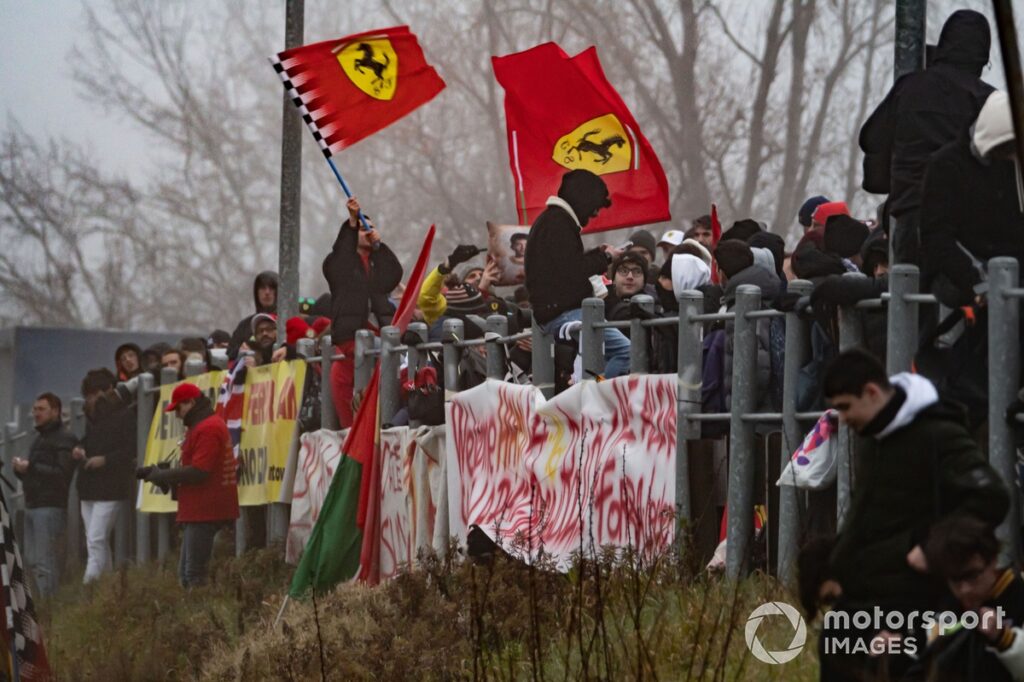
column 807, row 210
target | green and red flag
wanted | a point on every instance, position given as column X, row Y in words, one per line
column 563, row 114
column 349, row 88
column 345, row 540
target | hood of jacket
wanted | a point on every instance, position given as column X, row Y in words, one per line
column 965, row 41
column 585, row 192
column 688, row 272
column 763, row 258
column 921, row 394
column 758, row 276
column 264, row 278
column 810, row 262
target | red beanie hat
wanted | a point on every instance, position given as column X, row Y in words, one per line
column 296, row 328
column 823, row 212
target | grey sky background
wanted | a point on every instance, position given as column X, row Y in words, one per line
column 36, row 39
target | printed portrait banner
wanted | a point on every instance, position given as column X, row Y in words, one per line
column 506, row 246
column 164, row 443
column 596, row 461
column 273, row 394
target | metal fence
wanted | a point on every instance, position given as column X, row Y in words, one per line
column 901, row 305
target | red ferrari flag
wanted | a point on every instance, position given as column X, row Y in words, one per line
column 563, row 114
column 349, row 88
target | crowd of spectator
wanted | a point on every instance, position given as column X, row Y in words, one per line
column 940, row 147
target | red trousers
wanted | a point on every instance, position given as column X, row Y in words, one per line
column 343, row 382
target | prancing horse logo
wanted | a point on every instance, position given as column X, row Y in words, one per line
column 367, row 61
column 601, row 149
column 601, row 145
column 372, row 66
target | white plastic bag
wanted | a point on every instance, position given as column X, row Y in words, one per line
column 814, row 464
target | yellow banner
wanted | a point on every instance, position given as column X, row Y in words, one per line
column 273, row 395
column 165, row 435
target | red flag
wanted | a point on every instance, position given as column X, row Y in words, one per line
column 716, row 234
column 349, row 88
column 563, row 114
column 363, row 442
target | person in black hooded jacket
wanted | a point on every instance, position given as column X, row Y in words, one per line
column 974, row 206
column 923, row 111
column 360, row 277
column 558, row 270
column 264, row 295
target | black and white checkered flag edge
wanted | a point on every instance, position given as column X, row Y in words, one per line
column 300, row 104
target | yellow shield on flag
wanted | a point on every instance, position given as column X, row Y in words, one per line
column 372, row 65
column 601, row 145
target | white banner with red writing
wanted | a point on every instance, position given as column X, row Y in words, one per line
column 593, row 466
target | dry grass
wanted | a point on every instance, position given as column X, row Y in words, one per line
column 451, row 619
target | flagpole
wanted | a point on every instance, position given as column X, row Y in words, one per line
column 348, row 192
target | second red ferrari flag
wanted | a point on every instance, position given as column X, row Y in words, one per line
column 563, row 114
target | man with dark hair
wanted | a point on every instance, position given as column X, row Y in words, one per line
column 205, row 484
column 174, row 359
column 45, row 477
column 518, row 244
column 128, row 360
column 629, row 277
column 964, row 552
column 701, row 231
column 559, row 271
column 107, row 462
column 916, row 465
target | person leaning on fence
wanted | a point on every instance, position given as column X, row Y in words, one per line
column 360, row 276
column 629, row 278
column 558, row 270
column 916, row 465
column 924, row 110
column 264, row 295
column 45, row 476
column 106, row 460
column 972, row 206
column 204, row 485
column 964, row 553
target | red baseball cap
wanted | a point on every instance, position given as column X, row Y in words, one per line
column 183, row 393
column 827, row 210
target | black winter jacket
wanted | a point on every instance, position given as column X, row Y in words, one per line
column 110, row 434
column 354, row 292
column 917, row 474
column 50, row 467
column 971, row 204
column 925, row 110
column 558, row 270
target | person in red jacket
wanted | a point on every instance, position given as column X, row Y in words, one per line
column 205, row 483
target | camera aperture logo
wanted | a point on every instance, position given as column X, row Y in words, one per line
column 775, row 608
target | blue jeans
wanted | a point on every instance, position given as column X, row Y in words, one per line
column 43, row 527
column 196, row 550
column 616, row 344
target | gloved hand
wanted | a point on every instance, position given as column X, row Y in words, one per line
column 461, row 254
column 142, row 473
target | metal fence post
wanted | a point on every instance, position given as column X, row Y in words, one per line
column 328, row 416
column 851, row 335
column 390, row 362
column 639, row 335
column 163, row 537
column 497, row 328
column 418, row 359
column 144, row 409
column 591, row 339
column 364, row 363
column 792, row 436
column 901, row 342
column 74, row 513
column 1003, row 383
column 741, row 432
column 543, row 360
column 690, row 368
column 451, row 334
